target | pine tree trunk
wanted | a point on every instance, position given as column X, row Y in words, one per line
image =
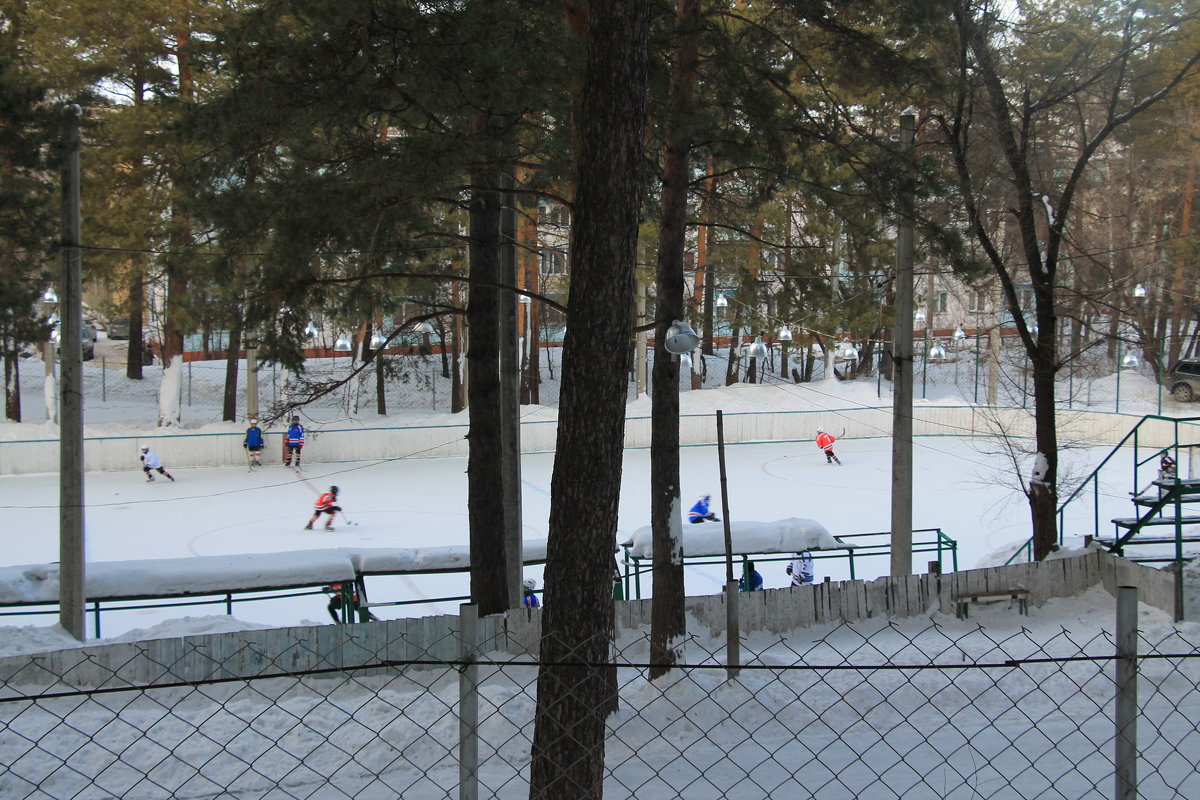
column 232, row 357
column 12, row 386
column 669, row 623
column 135, row 353
column 576, row 683
column 484, row 463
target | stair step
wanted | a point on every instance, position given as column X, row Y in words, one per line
column 1132, row 522
column 1145, row 540
column 1188, row 486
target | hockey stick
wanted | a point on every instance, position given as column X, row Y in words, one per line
column 348, row 522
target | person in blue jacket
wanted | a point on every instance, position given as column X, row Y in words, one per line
column 700, row 512
column 756, row 579
column 530, row 600
column 295, row 442
column 254, row 443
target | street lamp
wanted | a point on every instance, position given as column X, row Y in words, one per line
column 681, row 338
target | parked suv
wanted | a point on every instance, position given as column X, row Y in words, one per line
column 118, row 328
column 1184, row 380
column 87, row 340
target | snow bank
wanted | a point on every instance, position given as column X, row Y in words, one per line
column 178, row 577
column 791, row 535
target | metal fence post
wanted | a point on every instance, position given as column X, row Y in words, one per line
column 733, row 638
column 103, row 380
column 468, row 704
column 1125, row 756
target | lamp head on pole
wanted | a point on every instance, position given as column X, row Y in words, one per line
column 342, row 344
column 377, row 341
column 1130, row 361
column 1139, row 292
column 785, row 334
column 757, row 349
column 919, row 316
column 680, row 338
column 721, row 301
column 50, row 296
column 423, row 327
column 310, row 331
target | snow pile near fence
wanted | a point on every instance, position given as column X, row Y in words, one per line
column 791, row 535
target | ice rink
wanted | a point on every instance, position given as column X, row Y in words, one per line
column 959, row 487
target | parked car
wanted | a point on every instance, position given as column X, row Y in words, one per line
column 118, row 328
column 1183, row 380
column 87, row 338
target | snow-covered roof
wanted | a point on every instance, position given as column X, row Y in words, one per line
column 791, row 535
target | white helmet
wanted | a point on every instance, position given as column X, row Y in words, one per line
column 529, row 584
column 820, row 430
column 145, row 449
column 253, row 421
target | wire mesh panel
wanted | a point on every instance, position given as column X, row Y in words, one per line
column 878, row 709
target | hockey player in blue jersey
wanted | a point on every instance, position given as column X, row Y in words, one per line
column 700, row 512
column 529, row 598
column 294, row 441
column 254, row 443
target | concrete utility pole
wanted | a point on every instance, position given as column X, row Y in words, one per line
column 902, row 421
column 72, row 597
column 251, row 380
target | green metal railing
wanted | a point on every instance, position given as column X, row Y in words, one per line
column 864, row 545
column 626, row 585
column 1092, row 481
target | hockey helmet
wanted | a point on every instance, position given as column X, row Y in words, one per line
column 333, row 490
column 253, row 421
column 295, row 419
column 145, row 449
column 529, row 584
column 820, row 430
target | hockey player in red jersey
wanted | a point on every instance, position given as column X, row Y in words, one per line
column 825, row 442
column 326, row 504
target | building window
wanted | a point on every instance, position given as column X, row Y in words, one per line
column 977, row 301
column 554, row 262
column 939, row 304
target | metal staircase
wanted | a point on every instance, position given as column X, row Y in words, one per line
column 1161, row 505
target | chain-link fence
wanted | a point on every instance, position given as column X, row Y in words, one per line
column 881, row 709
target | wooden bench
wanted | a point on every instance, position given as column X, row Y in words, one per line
column 1018, row 597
